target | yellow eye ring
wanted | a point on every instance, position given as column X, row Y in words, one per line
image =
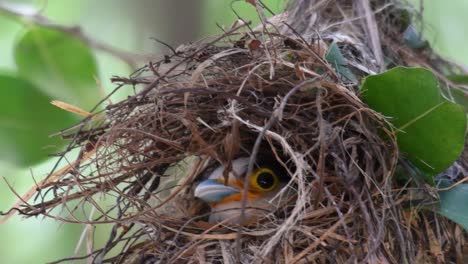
column 264, row 180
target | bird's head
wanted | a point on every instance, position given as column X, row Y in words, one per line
column 267, row 179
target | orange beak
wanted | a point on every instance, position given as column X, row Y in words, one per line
column 215, row 191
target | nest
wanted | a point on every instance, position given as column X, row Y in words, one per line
column 251, row 92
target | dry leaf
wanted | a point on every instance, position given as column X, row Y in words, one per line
column 254, row 45
column 434, row 243
column 71, row 108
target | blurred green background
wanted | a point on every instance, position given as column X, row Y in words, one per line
column 129, row 26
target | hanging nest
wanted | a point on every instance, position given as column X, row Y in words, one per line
column 270, row 90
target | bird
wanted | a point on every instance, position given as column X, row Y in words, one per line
column 266, row 181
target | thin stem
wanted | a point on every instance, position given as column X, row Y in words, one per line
column 27, row 17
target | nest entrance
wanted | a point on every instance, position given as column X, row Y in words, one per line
column 339, row 166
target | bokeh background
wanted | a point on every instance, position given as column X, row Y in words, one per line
column 130, row 26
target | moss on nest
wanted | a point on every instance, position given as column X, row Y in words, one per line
column 251, row 92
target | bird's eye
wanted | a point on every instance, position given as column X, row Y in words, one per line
column 264, row 179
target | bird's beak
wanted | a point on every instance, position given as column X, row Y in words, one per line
column 212, row 191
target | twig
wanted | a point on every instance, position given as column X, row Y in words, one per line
column 373, row 32
column 277, row 115
column 155, row 83
column 320, row 240
column 24, row 198
column 133, row 60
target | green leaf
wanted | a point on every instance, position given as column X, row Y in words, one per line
column 431, row 130
column 454, row 206
column 458, row 78
column 339, row 63
column 459, row 96
column 26, row 120
column 60, row 65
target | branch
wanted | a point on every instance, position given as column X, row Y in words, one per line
column 30, row 16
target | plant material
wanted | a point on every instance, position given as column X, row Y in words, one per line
column 285, row 96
